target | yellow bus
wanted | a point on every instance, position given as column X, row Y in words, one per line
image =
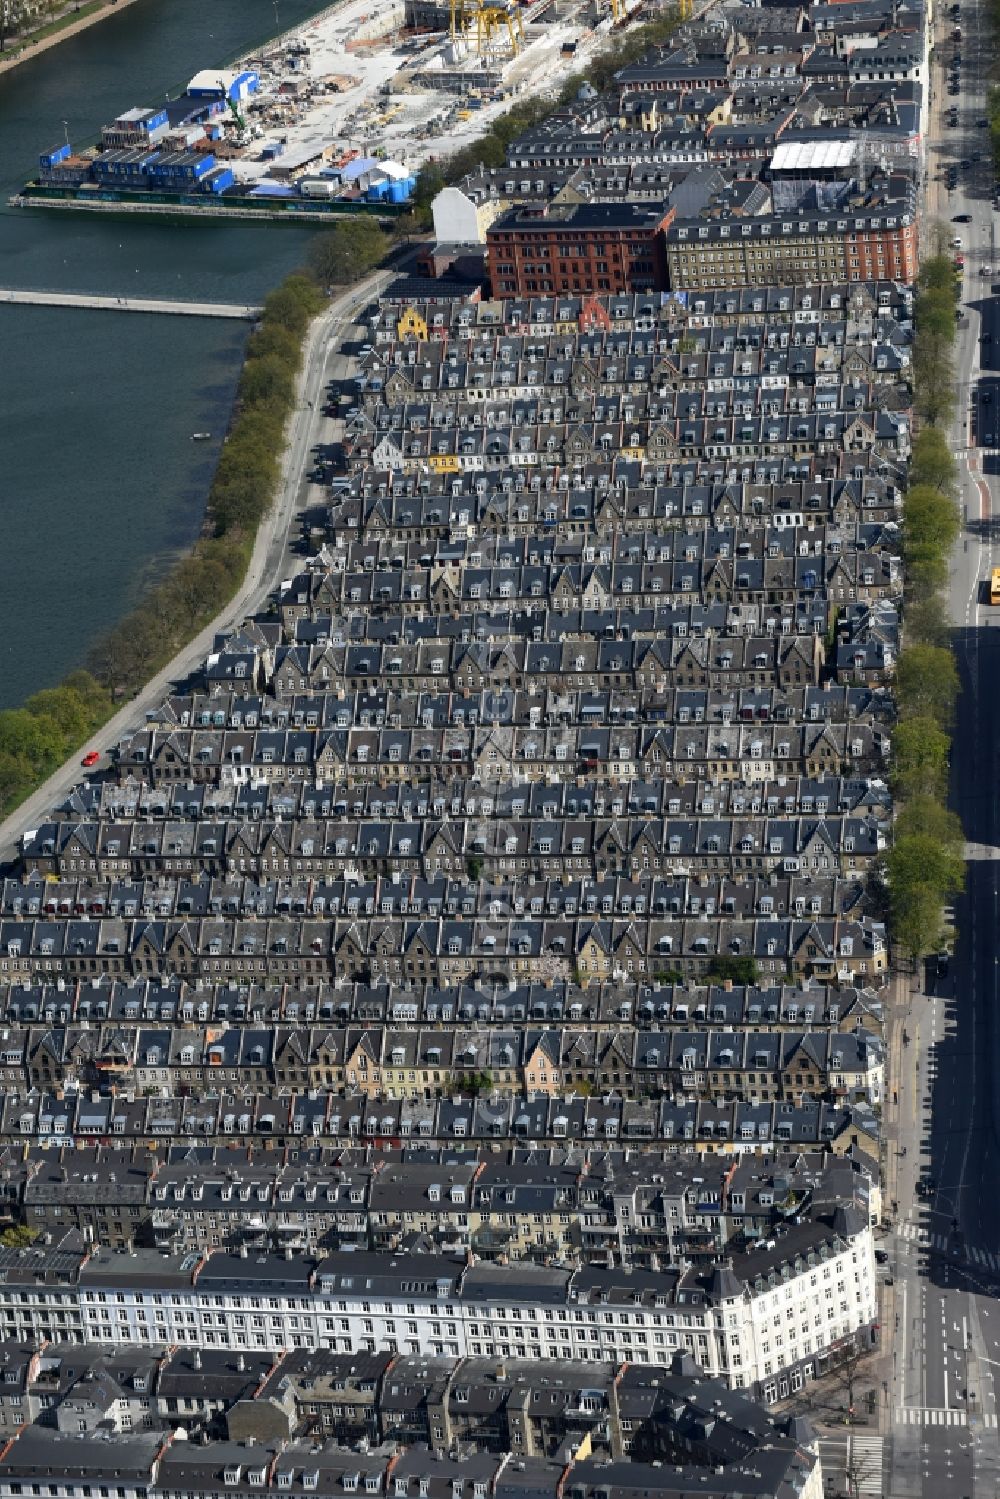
column 995, row 586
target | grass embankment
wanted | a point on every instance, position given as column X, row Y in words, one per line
column 202, row 582
column 36, row 738
column 925, row 867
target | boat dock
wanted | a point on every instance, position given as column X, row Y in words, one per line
column 240, row 310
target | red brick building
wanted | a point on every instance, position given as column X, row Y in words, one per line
column 603, row 248
column 882, row 248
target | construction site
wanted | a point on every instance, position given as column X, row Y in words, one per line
column 338, row 115
column 394, row 78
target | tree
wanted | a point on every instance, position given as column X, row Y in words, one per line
column 64, row 709
column 847, row 1372
column 923, row 876
column 926, row 621
column 934, row 310
column 272, row 338
column 920, row 758
column 292, row 305
column 932, row 461
column 927, row 683
column 724, row 968
column 268, row 378
column 480, row 1082
column 19, row 1236
column 348, row 252
column 200, row 584
column 926, row 571
column 25, row 735
column 430, row 181
column 925, row 816
column 937, row 273
column 406, row 226
column 934, row 386
column 489, row 151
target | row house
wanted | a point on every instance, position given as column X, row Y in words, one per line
column 131, row 1002
column 79, row 1122
column 425, row 1063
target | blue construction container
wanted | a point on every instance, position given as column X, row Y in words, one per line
column 218, row 181
column 183, row 166
column 399, row 192
column 378, row 192
column 52, row 158
column 134, row 164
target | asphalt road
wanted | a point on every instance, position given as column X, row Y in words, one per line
column 944, row 1319
column 323, row 360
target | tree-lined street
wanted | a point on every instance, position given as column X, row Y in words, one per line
column 942, row 1333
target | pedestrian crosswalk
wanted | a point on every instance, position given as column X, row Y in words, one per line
column 915, row 1234
column 866, row 1461
column 929, row 1416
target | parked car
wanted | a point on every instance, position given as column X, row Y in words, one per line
column 90, row 758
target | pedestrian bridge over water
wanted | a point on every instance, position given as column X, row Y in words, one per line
column 129, row 304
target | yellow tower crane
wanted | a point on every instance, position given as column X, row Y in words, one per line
column 491, row 21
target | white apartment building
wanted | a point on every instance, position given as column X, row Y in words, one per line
column 766, row 1325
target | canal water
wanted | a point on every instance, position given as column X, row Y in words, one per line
column 100, row 482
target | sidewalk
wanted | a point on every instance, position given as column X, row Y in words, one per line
column 825, row 1401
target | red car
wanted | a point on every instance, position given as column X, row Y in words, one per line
column 90, row 758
